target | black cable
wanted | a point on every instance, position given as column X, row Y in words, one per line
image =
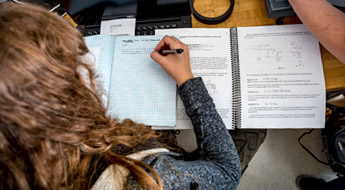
column 214, row 20
column 299, row 141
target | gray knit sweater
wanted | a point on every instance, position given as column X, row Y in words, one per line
column 215, row 164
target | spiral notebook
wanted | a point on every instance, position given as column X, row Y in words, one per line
column 135, row 86
column 259, row 77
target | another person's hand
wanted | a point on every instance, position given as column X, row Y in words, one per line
column 176, row 65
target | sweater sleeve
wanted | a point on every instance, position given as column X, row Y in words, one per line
column 217, row 165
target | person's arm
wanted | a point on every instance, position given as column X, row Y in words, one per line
column 325, row 22
column 217, row 165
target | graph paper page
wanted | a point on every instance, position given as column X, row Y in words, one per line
column 139, row 88
column 100, row 56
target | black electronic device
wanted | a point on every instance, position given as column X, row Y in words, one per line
column 149, row 14
column 281, row 8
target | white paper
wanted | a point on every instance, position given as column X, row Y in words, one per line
column 118, row 27
column 281, row 75
column 282, row 80
column 210, row 59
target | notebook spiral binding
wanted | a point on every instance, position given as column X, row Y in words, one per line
column 236, row 83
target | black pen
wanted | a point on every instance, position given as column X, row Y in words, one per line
column 167, row 51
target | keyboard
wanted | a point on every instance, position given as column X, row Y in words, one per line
column 148, row 26
column 150, row 30
column 144, row 27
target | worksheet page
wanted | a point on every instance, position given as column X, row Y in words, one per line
column 210, row 59
column 282, row 82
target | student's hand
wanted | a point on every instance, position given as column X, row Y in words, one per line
column 176, row 65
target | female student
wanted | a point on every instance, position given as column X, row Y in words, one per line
column 54, row 131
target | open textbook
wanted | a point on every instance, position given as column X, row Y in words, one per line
column 259, row 77
column 135, row 86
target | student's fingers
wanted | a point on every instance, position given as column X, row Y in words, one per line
column 165, row 60
column 158, row 58
column 164, row 43
column 168, row 41
column 174, row 38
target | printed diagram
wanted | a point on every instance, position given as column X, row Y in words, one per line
column 295, row 51
column 267, row 52
column 211, row 87
column 291, row 52
column 273, row 53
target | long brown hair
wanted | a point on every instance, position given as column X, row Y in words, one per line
column 51, row 124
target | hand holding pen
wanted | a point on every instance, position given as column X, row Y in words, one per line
column 176, row 63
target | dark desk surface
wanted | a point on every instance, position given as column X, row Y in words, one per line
column 253, row 13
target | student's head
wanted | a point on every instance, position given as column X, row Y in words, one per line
column 51, row 124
